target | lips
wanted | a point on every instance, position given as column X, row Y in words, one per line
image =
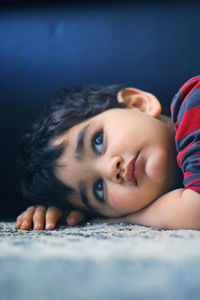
column 130, row 171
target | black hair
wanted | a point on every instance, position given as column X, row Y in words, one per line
column 38, row 157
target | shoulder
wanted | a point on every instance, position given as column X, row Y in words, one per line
column 185, row 117
column 186, row 99
column 185, row 109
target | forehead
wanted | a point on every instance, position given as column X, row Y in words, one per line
column 74, row 129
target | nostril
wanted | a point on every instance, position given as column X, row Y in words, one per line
column 118, row 164
column 118, row 176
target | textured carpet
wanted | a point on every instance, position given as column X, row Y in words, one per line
column 99, row 261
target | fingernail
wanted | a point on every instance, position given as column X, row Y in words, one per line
column 36, row 226
column 72, row 222
column 49, row 226
column 24, row 224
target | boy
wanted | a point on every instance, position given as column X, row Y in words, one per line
column 112, row 152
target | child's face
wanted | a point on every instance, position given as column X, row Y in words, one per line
column 118, row 161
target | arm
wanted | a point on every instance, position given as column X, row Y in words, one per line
column 178, row 209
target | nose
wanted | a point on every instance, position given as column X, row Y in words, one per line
column 112, row 169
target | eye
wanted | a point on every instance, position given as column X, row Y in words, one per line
column 99, row 190
column 97, row 142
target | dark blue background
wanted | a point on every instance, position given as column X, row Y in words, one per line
column 150, row 45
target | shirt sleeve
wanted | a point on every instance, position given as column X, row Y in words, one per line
column 185, row 112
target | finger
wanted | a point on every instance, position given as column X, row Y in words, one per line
column 52, row 216
column 38, row 217
column 75, row 217
column 19, row 221
column 27, row 218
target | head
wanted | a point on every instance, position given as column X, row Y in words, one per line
column 101, row 149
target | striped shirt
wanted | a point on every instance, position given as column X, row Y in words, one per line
column 185, row 114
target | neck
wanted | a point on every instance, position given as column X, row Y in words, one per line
column 168, row 122
column 178, row 180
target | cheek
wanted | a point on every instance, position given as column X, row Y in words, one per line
column 120, row 200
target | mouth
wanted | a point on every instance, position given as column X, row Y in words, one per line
column 130, row 171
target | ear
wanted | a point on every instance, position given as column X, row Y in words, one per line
column 144, row 101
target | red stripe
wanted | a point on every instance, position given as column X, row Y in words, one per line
column 189, row 185
column 195, row 188
column 190, row 122
column 189, row 85
column 176, row 125
column 187, row 88
column 197, row 152
column 180, row 154
column 186, row 174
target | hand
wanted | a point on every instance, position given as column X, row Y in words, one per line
column 46, row 218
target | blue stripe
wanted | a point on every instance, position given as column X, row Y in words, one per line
column 189, row 102
column 193, row 136
column 191, row 178
column 190, row 160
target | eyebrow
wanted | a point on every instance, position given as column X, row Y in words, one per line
column 80, row 142
column 83, row 194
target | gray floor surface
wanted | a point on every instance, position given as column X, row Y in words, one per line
column 99, row 261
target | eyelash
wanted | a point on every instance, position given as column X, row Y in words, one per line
column 98, row 187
